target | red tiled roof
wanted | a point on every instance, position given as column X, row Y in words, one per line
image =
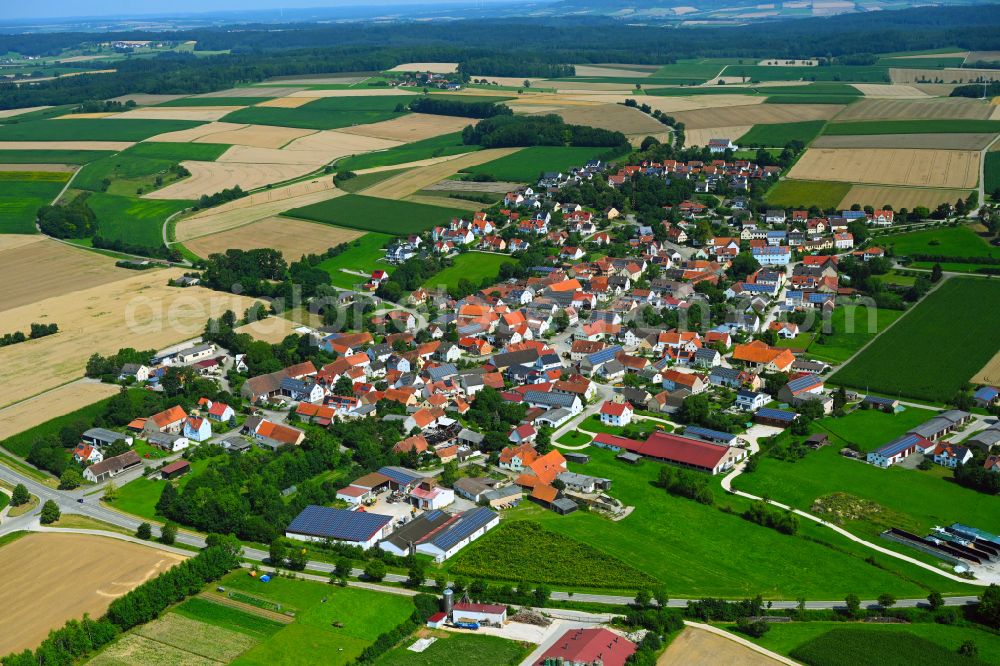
column 589, row 646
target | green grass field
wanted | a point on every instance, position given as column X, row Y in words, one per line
column 91, row 129
column 811, row 90
column 960, row 241
column 326, row 113
column 355, row 211
column 785, row 637
column 691, row 547
column 50, row 156
column 953, row 312
column 472, row 266
column 22, row 193
column 439, row 146
column 218, row 615
column 849, row 647
column 527, row 164
column 363, row 255
column 921, row 63
column 126, row 174
column 805, row 193
column 912, row 127
column 452, row 649
column 139, row 497
column 825, row 471
column 132, row 220
column 778, row 136
column 871, row 428
column 177, row 152
column 991, row 179
column 811, row 99
column 364, row 615
column 851, row 328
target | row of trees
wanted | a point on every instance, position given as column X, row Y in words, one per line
column 36, row 331
column 539, row 130
column 453, row 107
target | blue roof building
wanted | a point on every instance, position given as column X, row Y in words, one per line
column 320, row 523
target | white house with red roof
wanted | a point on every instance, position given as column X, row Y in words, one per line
column 523, row 434
column 216, row 411
column 86, row 454
column 616, row 413
column 197, row 428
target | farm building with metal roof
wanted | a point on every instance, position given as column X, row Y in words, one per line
column 357, row 528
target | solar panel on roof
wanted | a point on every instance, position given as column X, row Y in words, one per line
column 697, row 431
column 467, row 523
column 338, row 523
column 399, row 475
column 768, row 412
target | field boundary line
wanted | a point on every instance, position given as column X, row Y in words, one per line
column 175, row 647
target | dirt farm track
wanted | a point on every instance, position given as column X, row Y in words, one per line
column 73, row 574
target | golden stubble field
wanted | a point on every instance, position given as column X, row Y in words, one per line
column 614, row 117
column 411, row 127
column 293, row 238
column 138, row 310
column 34, row 268
column 415, row 180
column 916, row 109
column 696, row 646
column 209, row 177
column 63, row 400
column 50, row 578
column 255, row 207
column 895, row 166
column 756, row 114
column 901, row 197
column 990, row 374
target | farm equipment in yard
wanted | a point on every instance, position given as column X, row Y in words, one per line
column 468, row 625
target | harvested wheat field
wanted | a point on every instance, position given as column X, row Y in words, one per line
column 595, row 70
column 317, row 80
column 255, row 207
column 701, row 137
column 411, row 127
column 948, row 75
column 259, row 136
column 929, row 141
column 353, row 92
column 996, row 110
column 194, row 133
column 906, row 109
column 86, row 116
column 145, row 99
column 338, row 143
column 990, row 374
column 63, row 400
column 984, row 56
column 614, row 117
column 697, row 647
column 33, row 268
column 756, row 114
column 935, row 89
column 272, row 329
column 211, row 177
column 251, row 155
column 199, row 113
column 51, row 578
column 10, row 113
column 901, row 197
column 140, row 308
column 894, row 166
column 495, row 187
column 51, row 168
column 889, row 91
column 564, row 87
column 432, row 67
column 287, row 102
column 255, row 91
column 293, row 238
column 112, row 146
column 415, row 180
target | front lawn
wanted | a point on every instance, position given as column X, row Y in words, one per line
column 139, row 497
column 471, row 266
column 871, row 428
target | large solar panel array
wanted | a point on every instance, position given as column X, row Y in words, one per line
column 803, row 383
column 339, row 524
column 467, row 523
column 770, row 413
column 708, row 433
column 897, row 445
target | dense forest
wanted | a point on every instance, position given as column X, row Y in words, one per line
column 485, row 48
